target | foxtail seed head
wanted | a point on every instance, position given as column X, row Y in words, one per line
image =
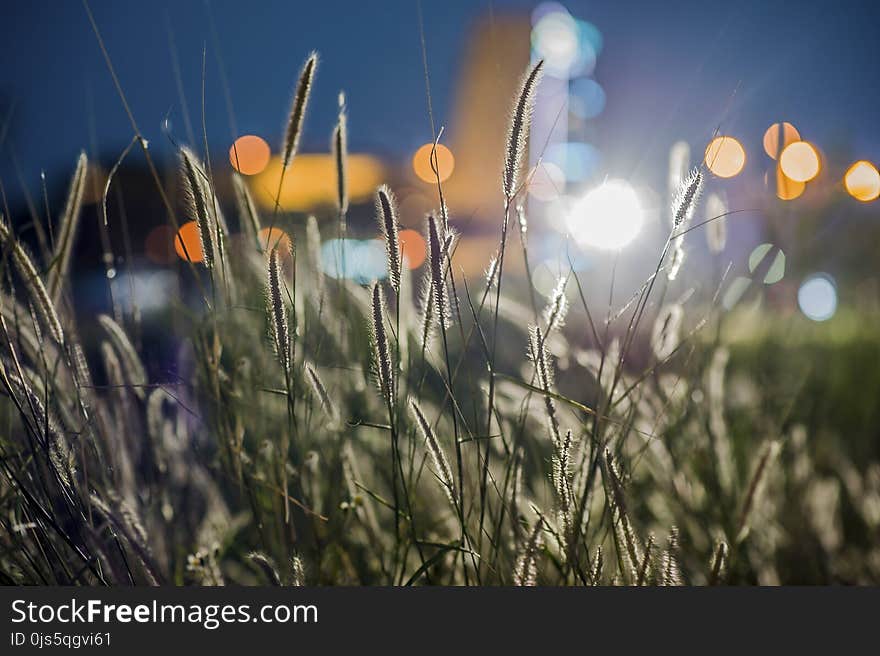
column 298, row 109
column 518, row 131
column 277, row 311
column 386, row 211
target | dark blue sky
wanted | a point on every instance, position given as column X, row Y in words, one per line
column 669, row 70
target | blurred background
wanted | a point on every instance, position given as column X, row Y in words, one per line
column 777, row 99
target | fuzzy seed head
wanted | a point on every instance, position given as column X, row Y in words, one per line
column 277, row 311
column 437, row 254
column 492, row 271
column 686, row 200
column 320, row 391
column 293, row 130
column 67, row 228
column 518, row 131
column 30, row 276
column 199, row 201
column 526, row 572
column 386, row 214
column 133, row 369
column 381, row 351
column 438, row 457
column 557, row 308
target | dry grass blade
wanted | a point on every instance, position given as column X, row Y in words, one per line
column 266, row 565
column 320, row 391
column 133, row 369
column 67, row 229
column 249, row 216
column 756, row 486
column 557, row 308
column 27, row 271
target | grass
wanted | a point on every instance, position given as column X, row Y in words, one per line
column 337, row 434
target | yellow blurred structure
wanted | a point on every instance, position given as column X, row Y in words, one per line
column 495, row 58
column 862, row 181
column 310, row 181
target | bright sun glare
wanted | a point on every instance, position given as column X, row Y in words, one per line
column 607, row 217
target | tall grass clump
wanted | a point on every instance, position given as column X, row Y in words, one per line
column 421, row 428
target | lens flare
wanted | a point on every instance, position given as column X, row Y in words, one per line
column 608, row 217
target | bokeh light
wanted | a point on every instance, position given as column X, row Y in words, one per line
column 188, row 236
column 412, row 246
column 817, row 297
column 789, row 135
column 249, row 154
column 586, row 98
column 775, row 271
column 557, row 39
column 547, row 182
column 725, row 156
column 608, row 217
column 862, row 181
column 786, row 188
column 546, row 8
column 274, row 237
column 422, row 163
column 364, row 261
column 577, row 161
column 800, row 161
